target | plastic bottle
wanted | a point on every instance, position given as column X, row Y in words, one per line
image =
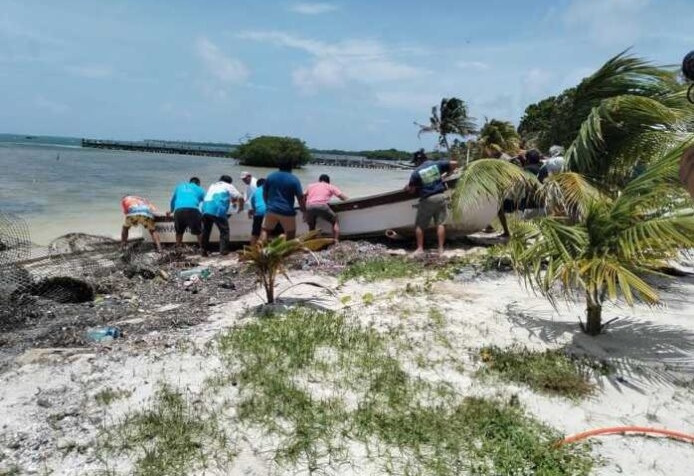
column 101, row 334
column 200, row 271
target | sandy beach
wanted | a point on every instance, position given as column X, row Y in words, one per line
column 58, row 405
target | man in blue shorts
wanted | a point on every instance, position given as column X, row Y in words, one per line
column 427, row 181
column 185, row 206
column 280, row 190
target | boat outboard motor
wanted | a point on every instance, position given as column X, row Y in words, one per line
column 688, row 72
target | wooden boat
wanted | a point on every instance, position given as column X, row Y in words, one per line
column 365, row 217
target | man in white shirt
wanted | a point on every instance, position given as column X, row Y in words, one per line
column 214, row 212
column 251, row 186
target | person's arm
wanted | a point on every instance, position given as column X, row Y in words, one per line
column 173, row 200
column 412, row 186
column 300, row 196
column 338, row 193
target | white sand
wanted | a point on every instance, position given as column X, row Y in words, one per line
column 652, row 349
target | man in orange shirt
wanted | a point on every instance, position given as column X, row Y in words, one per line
column 317, row 197
column 138, row 211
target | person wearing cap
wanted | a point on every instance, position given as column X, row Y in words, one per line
column 554, row 164
column 214, row 212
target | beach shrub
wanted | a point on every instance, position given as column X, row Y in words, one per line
column 550, row 371
column 269, row 259
column 270, row 151
column 380, row 268
column 319, row 383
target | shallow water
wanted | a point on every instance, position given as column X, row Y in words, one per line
column 60, row 190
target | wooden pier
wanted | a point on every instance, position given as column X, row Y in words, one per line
column 162, row 147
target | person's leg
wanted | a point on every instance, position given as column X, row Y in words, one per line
column 422, row 221
column 504, row 224
column 441, row 235
column 336, row 231
column 179, row 227
column 124, row 236
column 311, row 218
column 419, row 236
column 207, row 222
column 257, row 228
column 194, row 223
column 269, row 223
column 289, row 226
column 155, row 238
column 223, row 225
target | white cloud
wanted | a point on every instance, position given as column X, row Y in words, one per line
column 474, row 65
column 607, row 22
column 219, row 65
column 306, row 8
column 91, row 71
column 50, row 105
column 336, row 64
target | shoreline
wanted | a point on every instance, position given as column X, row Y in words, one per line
column 51, row 399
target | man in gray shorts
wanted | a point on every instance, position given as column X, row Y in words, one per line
column 427, row 181
column 317, row 197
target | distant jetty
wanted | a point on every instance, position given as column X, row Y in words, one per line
column 227, row 150
column 163, row 147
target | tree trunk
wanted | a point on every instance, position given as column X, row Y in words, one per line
column 594, row 319
column 270, row 290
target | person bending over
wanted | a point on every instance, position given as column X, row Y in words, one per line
column 185, row 206
column 279, row 192
column 427, row 181
column 215, row 208
column 138, row 211
column 317, row 197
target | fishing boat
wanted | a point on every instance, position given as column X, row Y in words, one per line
column 391, row 213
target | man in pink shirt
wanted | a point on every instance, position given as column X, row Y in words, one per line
column 317, row 197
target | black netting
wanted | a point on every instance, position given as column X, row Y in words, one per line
column 63, row 271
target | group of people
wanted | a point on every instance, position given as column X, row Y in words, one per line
column 270, row 201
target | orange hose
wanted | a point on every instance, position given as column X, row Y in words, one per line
column 675, row 435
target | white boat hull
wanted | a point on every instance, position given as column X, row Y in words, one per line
column 362, row 217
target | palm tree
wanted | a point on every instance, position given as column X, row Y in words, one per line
column 630, row 112
column 451, row 118
column 618, row 213
column 606, row 247
column 499, row 135
column 269, row 259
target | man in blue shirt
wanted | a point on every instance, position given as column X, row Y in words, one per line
column 427, row 181
column 279, row 192
column 185, row 206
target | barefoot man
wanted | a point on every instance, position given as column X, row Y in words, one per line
column 138, row 211
column 427, row 181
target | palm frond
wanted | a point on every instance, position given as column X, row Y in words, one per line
column 491, row 178
column 568, row 192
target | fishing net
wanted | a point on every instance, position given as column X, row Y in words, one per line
column 63, row 271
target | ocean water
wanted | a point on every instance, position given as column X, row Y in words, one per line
column 59, row 190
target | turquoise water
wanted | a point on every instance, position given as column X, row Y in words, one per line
column 60, row 190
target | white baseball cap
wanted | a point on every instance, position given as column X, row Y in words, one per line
column 245, row 174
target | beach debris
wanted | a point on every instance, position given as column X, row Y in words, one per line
column 63, row 289
column 167, row 308
column 135, row 270
column 199, row 272
column 103, row 334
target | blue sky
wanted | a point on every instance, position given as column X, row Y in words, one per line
column 344, row 74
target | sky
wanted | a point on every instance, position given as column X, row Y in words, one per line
column 343, row 74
